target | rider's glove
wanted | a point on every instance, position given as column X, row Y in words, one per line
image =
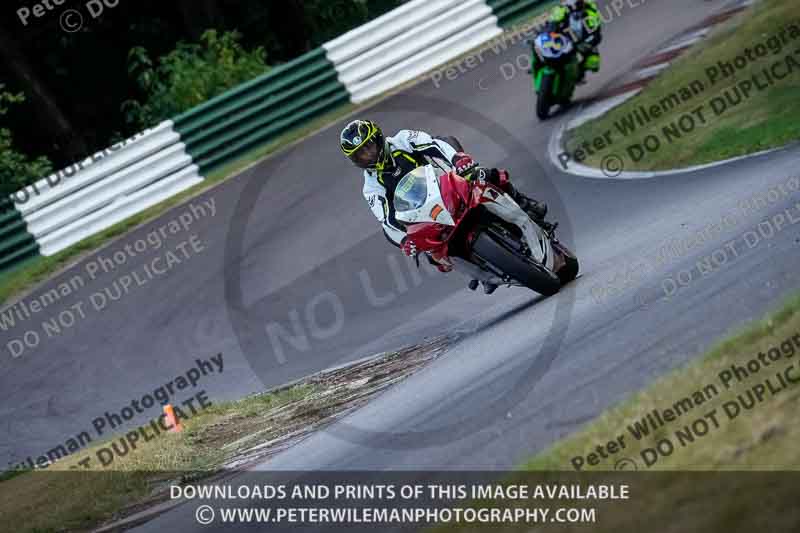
column 464, row 164
column 481, row 175
column 409, row 247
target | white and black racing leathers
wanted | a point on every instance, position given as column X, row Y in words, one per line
column 407, row 150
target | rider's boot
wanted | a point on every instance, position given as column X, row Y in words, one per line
column 590, row 63
column 488, row 288
column 535, row 209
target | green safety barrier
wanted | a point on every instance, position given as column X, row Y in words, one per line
column 260, row 110
column 244, row 118
column 16, row 242
column 510, row 11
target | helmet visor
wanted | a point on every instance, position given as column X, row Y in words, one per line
column 365, row 156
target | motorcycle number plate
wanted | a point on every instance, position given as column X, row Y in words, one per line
column 553, row 45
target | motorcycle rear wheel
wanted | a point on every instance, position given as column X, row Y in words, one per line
column 543, row 101
column 536, row 277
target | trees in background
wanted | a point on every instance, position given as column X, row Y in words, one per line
column 142, row 61
column 16, row 169
column 188, row 76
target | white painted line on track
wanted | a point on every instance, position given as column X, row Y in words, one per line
column 686, row 41
column 600, row 108
column 597, row 109
column 554, row 148
column 651, row 72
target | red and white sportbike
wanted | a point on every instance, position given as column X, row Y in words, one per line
column 478, row 229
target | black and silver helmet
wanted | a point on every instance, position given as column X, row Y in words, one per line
column 363, row 143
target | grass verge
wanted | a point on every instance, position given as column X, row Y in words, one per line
column 67, row 497
column 761, row 437
column 714, row 479
column 769, row 117
column 216, row 442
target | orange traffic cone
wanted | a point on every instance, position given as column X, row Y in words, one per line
column 172, row 420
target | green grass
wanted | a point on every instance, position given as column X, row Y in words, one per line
column 78, row 493
column 769, row 118
column 62, row 498
column 724, row 491
column 762, row 438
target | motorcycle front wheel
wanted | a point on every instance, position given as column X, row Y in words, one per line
column 536, row 277
column 570, row 268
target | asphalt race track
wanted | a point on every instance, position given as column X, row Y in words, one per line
column 292, row 248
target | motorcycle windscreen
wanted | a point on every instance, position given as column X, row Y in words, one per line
column 552, row 45
column 412, row 191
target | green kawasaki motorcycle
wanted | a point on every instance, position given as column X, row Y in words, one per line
column 556, row 70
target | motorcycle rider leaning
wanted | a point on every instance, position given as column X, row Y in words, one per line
column 386, row 160
column 587, row 37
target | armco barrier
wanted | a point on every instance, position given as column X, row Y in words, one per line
column 16, row 242
column 109, row 189
column 408, row 42
column 259, row 110
column 393, row 49
column 83, row 173
column 388, row 26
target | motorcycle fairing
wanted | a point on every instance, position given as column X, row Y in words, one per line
column 433, row 215
column 504, row 207
column 432, row 207
column 552, row 45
